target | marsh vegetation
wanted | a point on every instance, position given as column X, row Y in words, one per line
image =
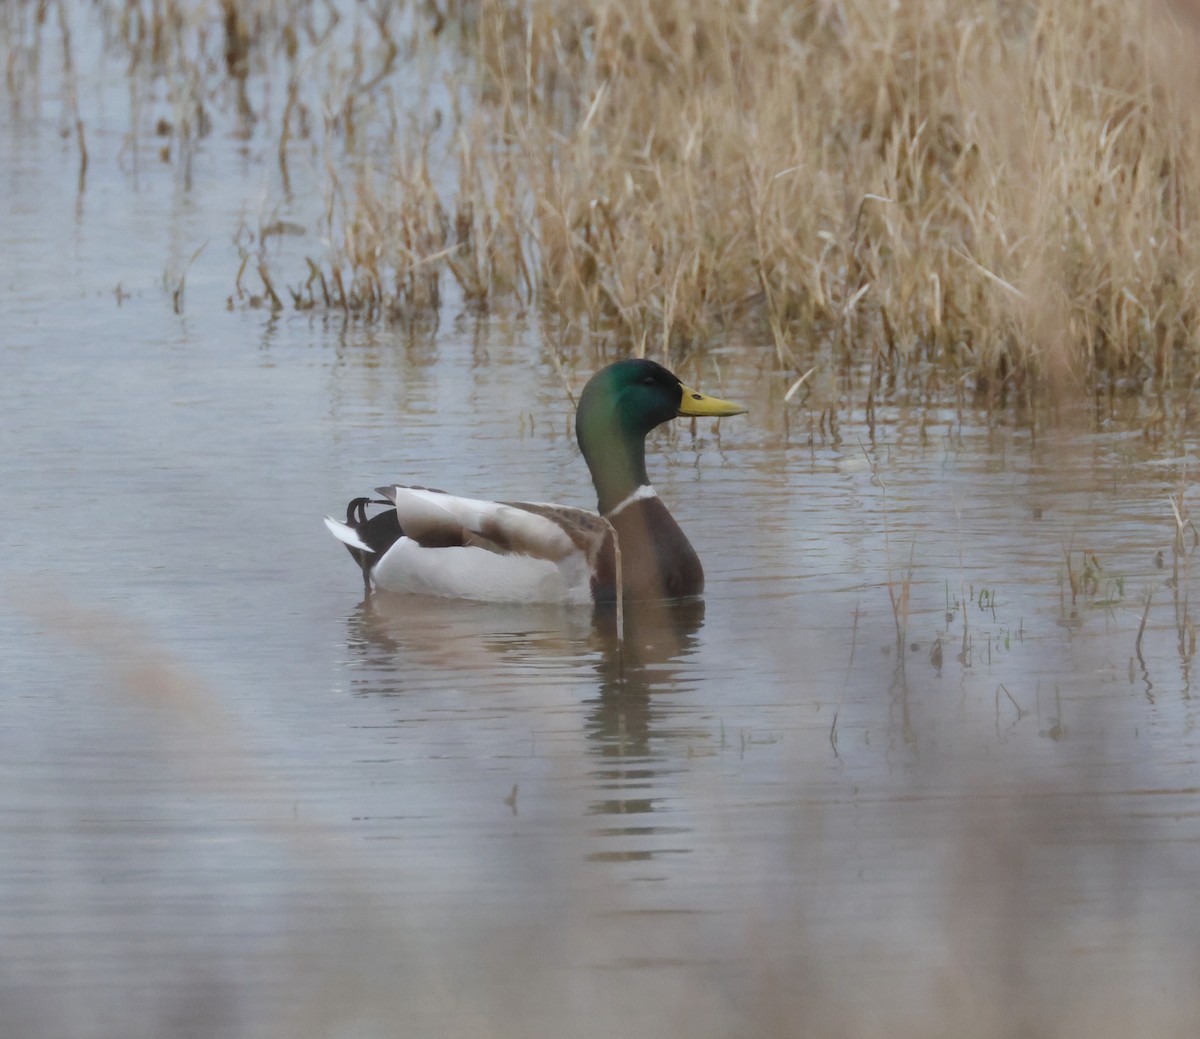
column 1003, row 190
column 922, row 762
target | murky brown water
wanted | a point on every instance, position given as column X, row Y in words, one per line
column 237, row 800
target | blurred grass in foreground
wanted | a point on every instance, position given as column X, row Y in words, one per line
column 187, row 891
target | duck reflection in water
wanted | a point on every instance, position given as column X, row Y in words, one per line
column 628, row 716
column 658, row 638
column 403, row 641
column 518, row 660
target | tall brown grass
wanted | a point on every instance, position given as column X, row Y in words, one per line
column 1006, row 188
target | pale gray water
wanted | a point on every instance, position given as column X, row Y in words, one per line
column 238, row 801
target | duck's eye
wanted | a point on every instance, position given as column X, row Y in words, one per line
column 648, row 380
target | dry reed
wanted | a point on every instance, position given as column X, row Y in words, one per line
column 1006, row 189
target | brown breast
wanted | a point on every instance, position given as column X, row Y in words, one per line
column 657, row 560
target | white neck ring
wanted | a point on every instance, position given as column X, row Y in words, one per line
column 638, row 494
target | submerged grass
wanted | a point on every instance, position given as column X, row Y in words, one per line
column 1007, row 190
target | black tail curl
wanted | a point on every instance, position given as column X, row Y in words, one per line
column 380, row 532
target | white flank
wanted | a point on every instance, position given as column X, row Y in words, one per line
column 476, row 573
column 346, row 535
column 640, row 493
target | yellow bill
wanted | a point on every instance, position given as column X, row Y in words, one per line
column 694, row 403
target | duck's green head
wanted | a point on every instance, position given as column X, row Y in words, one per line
column 618, row 407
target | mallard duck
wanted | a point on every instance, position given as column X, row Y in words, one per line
column 434, row 543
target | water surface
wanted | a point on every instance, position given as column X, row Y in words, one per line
column 238, row 799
